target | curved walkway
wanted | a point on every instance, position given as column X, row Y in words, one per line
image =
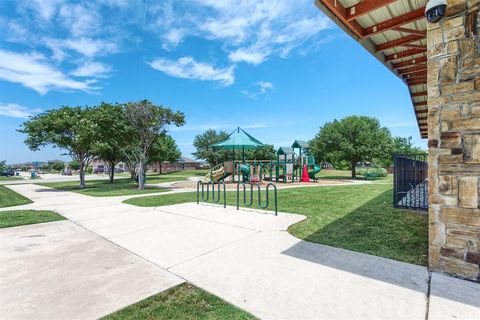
column 249, row 259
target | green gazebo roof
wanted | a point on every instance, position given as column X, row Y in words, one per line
column 300, row 144
column 239, row 139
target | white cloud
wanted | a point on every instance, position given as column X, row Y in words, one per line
column 172, row 38
column 188, row 68
column 92, row 69
column 45, row 9
column 16, row 111
column 246, row 55
column 264, row 88
column 79, row 19
column 251, row 30
column 32, row 71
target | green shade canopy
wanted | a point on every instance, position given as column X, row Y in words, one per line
column 300, row 144
column 238, row 139
column 285, row 151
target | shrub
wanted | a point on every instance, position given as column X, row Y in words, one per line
column 373, row 172
column 89, row 169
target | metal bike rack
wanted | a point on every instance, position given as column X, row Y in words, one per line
column 206, row 197
column 250, row 202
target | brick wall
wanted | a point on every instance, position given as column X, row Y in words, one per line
column 454, row 140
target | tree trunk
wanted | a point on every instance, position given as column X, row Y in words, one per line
column 141, row 172
column 353, row 164
column 112, row 173
column 159, row 167
column 82, row 174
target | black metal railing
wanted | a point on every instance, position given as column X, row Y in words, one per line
column 410, row 181
column 206, row 196
column 249, row 203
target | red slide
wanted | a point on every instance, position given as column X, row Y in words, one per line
column 305, row 177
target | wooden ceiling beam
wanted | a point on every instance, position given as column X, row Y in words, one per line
column 419, row 94
column 422, row 73
column 417, row 82
column 411, row 31
column 404, row 54
column 413, row 69
column 414, row 46
column 421, row 111
column 411, row 62
column 421, row 103
column 365, row 7
column 419, row 78
column 339, row 11
column 395, row 22
column 399, row 42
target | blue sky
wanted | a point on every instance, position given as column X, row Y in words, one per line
column 279, row 69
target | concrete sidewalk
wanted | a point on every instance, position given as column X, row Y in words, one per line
column 250, row 260
column 58, row 270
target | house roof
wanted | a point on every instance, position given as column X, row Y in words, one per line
column 186, row 160
column 394, row 32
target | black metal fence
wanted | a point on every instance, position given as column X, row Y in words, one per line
column 410, row 181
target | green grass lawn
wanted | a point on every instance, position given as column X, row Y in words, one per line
column 15, row 218
column 3, row 178
column 103, row 188
column 9, row 198
column 181, row 302
column 356, row 217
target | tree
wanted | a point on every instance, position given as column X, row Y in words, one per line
column 353, row 139
column 147, row 121
column 264, row 153
column 163, row 149
column 70, row 128
column 115, row 135
column 57, row 166
column 3, row 165
column 203, row 143
column 399, row 145
column 74, row 165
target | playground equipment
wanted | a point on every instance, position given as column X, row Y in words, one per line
column 288, row 166
column 217, row 173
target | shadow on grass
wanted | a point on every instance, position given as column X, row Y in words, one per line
column 390, row 233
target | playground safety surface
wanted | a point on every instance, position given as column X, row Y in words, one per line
column 279, row 185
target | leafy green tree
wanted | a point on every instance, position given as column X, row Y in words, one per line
column 147, row 121
column 73, row 129
column 264, row 153
column 74, row 165
column 57, row 166
column 3, row 165
column 163, row 149
column 353, row 139
column 115, row 135
column 399, row 145
column 203, row 143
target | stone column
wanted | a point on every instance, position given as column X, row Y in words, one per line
column 454, row 140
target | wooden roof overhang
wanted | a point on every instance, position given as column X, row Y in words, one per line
column 394, row 31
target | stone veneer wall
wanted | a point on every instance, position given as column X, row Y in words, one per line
column 454, row 140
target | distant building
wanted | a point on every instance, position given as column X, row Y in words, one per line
column 182, row 163
column 99, row 166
